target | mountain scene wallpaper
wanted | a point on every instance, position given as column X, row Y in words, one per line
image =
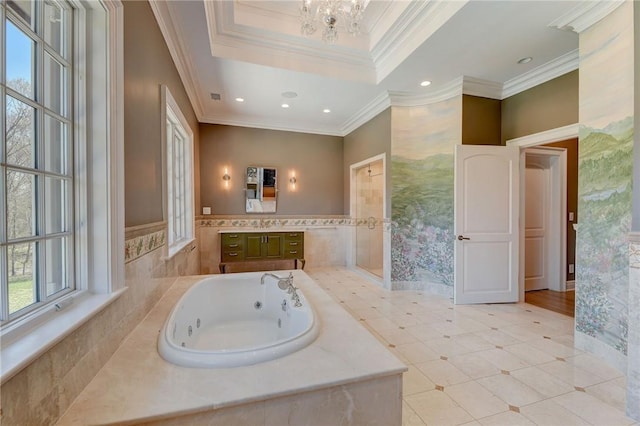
column 422, row 166
column 605, row 162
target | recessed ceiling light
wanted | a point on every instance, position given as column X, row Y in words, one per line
column 289, row 95
column 285, row 105
column 525, row 60
column 240, row 99
column 425, row 83
column 326, row 110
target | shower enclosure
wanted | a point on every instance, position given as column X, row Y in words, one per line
column 369, row 214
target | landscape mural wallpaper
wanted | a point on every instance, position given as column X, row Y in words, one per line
column 605, row 178
column 423, row 140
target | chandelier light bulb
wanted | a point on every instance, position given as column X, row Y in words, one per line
column 332, row 14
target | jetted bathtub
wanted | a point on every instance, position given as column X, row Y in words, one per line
column 233, row 320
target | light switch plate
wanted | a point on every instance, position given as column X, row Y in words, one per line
column 206, row 210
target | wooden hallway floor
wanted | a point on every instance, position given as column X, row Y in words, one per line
column 556, row 301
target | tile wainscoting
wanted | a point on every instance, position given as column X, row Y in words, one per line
column 327, row 238
column 44, row 390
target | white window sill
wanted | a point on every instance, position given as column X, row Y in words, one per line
column 22, row 347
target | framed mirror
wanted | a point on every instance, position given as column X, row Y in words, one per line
column 261, row 190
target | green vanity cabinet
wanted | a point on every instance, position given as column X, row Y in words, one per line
column 247, row 251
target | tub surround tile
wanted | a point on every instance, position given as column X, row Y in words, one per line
column 361, row 403
column 137, row 373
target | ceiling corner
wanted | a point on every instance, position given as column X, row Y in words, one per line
column 585, row 15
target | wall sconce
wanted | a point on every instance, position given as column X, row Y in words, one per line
column 226, row 178
column 292, row 181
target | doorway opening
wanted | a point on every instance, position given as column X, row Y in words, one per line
column 545, row 230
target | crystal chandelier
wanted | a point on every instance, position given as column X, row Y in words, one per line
column 331, row 13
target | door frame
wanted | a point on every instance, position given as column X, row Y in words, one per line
column 386, row 239
column 556, row 245
column 558, row 162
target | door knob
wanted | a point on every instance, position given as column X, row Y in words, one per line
column 460, row 238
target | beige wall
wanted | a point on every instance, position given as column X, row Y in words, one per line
column 481, row 118
column 316, row 160
column 368, row 140
column 547, row 106
column 147, row 65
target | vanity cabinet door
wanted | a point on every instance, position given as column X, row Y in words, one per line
column 254, row 243
column 273, row 246
column 264, row 246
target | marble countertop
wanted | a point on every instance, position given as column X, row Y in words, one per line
column 261, row 230
column 136, row 383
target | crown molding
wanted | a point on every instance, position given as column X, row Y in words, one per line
column 585, row 15
column 368, row 112
column 483, row 88
column 548, row 136
column 328, row 131
column 179, row 54
column 545, row 72
column 416, row 24
column 447, row 91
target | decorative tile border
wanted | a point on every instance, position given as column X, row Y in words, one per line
column 277, row 222
column 139, row 246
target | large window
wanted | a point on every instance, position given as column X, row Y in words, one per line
column 36, row 158
column 179, row 177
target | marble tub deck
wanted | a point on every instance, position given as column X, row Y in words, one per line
column 346, row 376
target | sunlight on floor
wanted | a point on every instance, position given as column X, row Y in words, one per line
column 507, row 364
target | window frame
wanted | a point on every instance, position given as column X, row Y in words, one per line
column 171, row 113
column 99, row 159
column 42, row 174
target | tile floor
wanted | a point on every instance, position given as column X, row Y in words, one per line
column 503, row 364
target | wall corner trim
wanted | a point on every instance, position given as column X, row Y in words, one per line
column 548, row 136
column 584, row 15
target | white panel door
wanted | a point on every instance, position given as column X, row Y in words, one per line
column 536, row 225
column 486, row 224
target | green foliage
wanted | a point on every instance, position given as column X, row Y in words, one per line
column 423, row 188
column 422, row 216
column 20, row 294
column 604, row 204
